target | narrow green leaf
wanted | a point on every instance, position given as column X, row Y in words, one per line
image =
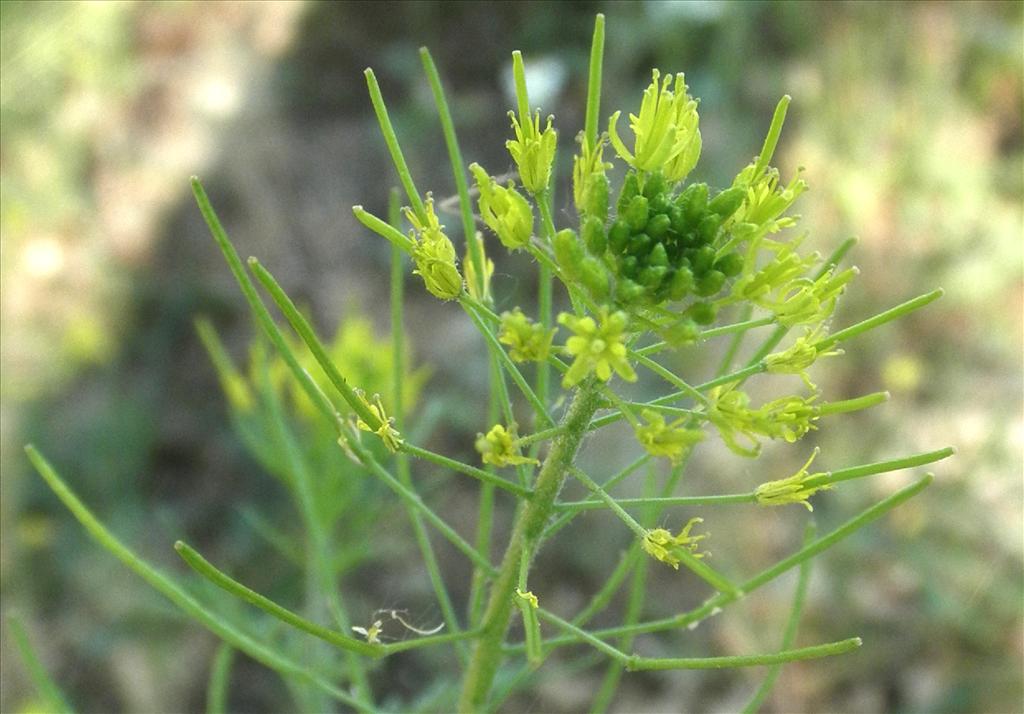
column 203, row 567
column 45, row 686
column 265, row 654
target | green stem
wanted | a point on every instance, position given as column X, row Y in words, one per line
column 388, row 131
column 879, row 319
column 444, row 600
column 635, row 663
column 496, row 349
column 712, row 577
column 220, row 679
column 669, row 377
column 717, row 602
column 789, row 634
column 455, row 158
column 265, row 654
column 852, row 405
column 232, row 586
column 526, row 533
column 47, row 689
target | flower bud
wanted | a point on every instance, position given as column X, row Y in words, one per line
column 533, row 151
column 504, row 210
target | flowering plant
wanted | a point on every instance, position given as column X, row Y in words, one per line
column 660, row 263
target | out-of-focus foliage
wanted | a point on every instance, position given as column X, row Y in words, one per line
column 907, row 118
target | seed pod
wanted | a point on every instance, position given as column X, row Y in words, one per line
column 637, row 213
column 703, row 313
column 618, row 235
column 594, row 275
column 728, row 201
column 731, row 264
column 710, row 283
column 630, row 189
column 594, row 236
column 658, row 226
column 568, row 252
column 681, row 284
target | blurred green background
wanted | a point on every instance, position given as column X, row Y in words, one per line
column 907, row 118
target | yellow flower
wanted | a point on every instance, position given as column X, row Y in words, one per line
column 787, row 418
column 387, row 433
column 794, row 489
column 667, row 136
column 529, row 597
column 800, row 356
column 669, row 440
column 662, row 545
column 597, row 349
column 434, row 254
column 528, row 340
column 533, row 151
column 499, row 447
column 504, row 210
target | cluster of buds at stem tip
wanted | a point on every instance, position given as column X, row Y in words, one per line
column 499, row 447
column 528, row 341
column 434, row 253
column 597, row 346
column 504, row 210
column 669, row 440
column 794, row 489
column 667, row 138
column 661, row 545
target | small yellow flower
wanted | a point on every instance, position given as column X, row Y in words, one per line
column 533, row 151
column 787, row 418
column 371, row 633
column 504, row 210
column 499, row 447
column 806, row 301
column 800, row 356
column 528, row 340
column 793, row 489
column 434, row 254
column 662, row 545
column 387, row 433
column 669, row 440
column 597, row 348
column 667, row 136
column 529, row 597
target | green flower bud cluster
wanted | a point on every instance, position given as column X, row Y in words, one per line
column 661, row 246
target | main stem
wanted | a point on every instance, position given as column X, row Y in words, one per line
column 525, row 536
